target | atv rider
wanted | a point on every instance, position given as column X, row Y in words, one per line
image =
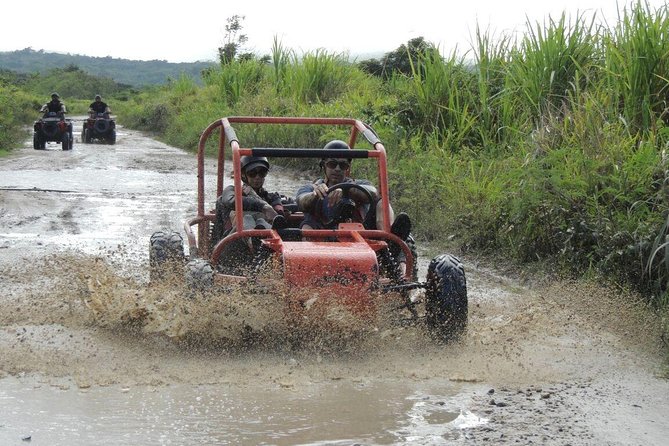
column 54, row 106
column 97, row 106
column 319, row 206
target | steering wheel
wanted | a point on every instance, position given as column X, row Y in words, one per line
column 344, row 209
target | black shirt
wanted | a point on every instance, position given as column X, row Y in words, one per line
column 54, row 106
column 98, row 107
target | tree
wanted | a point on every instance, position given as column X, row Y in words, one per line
column 233, row 41
column 398, row 61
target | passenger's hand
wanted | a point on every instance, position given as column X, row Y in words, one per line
column 247, row 190
column 268, row 212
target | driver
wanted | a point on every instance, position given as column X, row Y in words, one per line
column 97, row 106
column 54, row 106
column 318, row 205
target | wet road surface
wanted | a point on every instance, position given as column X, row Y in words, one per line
column 89, row 354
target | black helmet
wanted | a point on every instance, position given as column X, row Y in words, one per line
column 55, row 95
column 335, row 144
column 251, row 162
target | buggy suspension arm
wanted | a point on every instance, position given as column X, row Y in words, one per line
column 403, row 287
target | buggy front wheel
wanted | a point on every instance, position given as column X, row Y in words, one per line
column 446, row 298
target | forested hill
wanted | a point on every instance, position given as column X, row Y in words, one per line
column 132, row 72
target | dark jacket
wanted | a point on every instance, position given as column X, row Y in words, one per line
column 98, row 107
column 54, row 106
column 226, row 203
column 322, row 213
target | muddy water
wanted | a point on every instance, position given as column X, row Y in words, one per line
column 91, row 354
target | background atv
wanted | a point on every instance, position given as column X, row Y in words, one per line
column 99, row 127
column 52, row 127
column 349, row 265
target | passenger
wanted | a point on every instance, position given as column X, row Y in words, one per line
column 98, row 106
column 319, row 206
column 259, row 206
column 54, row 106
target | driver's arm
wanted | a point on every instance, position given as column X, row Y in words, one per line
column 307, row 197
column 359, row 196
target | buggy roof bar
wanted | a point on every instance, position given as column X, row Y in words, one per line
column 358, row 126
column 313, row 153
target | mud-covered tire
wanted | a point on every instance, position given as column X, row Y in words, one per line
column 199, row 275
column 111, row 139
column 86, row 136
column 66, row 142
column 38, row 142
column 101, row 126
column 166, row 255
column 446, row 298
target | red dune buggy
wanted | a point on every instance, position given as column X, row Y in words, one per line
column 350, row 265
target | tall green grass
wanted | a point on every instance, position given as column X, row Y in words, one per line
column 550, row 61
column 637, row 66
column 317, row 76
column 496, row 110
column 236, row 79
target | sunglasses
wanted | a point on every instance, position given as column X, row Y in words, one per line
column 255, row 172
column 343, row 165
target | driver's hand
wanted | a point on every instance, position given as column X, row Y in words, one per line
column 320, row 190
column 334, row 197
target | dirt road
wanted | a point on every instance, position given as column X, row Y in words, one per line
column 542, row 363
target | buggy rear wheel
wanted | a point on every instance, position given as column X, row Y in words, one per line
column 166, row 255
column 446, row 298
column 414, row 252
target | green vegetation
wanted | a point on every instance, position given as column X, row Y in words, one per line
column 551, row 148
column 14, row 104
column 137, row 73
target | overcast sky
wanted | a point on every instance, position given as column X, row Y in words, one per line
column 186, row 31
